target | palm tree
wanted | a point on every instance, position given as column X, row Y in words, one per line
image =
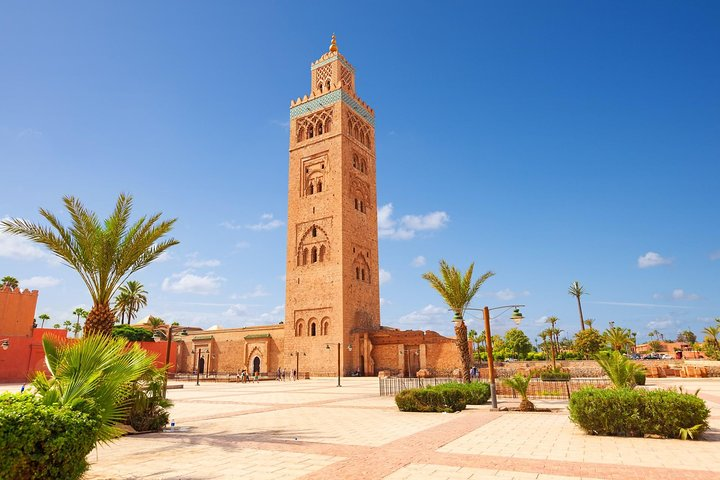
column 155, row 322
column 134, row 295
column 520, row 384
column 103, row 253
column 577, row 290
column 712, row 333
column 122, row 307
column 620, row 370
column 57, row 326
column 9, row 282
column 80, row 312
column 94, row 375
column 618, row 338
column 553, row 333
column 458, row 289
column 589, row 322
column 43, row 317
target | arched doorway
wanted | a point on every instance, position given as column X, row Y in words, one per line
column 256, row 365
column 362, row 366
column 201, row 365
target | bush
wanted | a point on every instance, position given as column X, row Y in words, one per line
column 132, row 334
column 639, row 378
column 475, row 393
column 430, row 399
column 557, row 375
column 43, row 441
column 635, row 413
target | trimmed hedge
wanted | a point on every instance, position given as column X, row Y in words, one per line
column 554, row 376
column 635, row 413
column 430, row 399
column 38, row 441
column 639, row 378
column 475, row 393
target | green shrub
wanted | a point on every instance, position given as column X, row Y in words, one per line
column 430, row 399
column 43, row 441
column 475, row 393
column 639, row 378
column 634, row 413
column 132, row 334
column 550, row 375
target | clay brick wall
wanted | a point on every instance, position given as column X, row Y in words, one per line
column 17, row 311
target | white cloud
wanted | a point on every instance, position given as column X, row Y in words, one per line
column 29, row 133
column 258, row 291
column 409, row 224
column 34, row 283
column 242, row 244
column 231, row 225
column 385, row 276
column 680, row 294
column 663, row 322
column 195, row 262
column 715, row 255
column 652, row 259
column 236, row 310
column 657, row 296
column 164, row 257
column 642, row 305
column 19, row 248
column 542, row 320
column 267, row 222
column 419, row 319
column 418, row 261
column 507, row 294
column 384, row 302
column 187, row 282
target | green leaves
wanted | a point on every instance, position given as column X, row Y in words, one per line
column 103, row 253
column 94, row 374
column 456, row 288
column 618, row 368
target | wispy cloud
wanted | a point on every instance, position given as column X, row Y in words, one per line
column 242, row 244
column 39, row 282
column 680, row 294
column 195, row 262
column 408, row 225
column 267, row 222
column 506, row 294
column 236, row 310
column 188, row 282
column 640, row 305
column 385, row 276
column 19, row 248
column 652, row 259
column 29, row 134
column 258, row 291
column 418, row 261
column 231, row 225
column 282, row 124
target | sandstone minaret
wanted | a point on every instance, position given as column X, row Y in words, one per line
column 332, row 290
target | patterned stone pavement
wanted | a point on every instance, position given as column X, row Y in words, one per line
column 311, row 429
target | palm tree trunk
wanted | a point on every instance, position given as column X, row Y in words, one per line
column 461, row 340
column 582, row 322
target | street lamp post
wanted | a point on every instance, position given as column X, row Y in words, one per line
column 516, row 317
column 327, row 346
column 197, row 364
column 168, row 336
column 297, row 363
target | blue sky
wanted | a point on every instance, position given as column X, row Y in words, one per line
column 546, row 141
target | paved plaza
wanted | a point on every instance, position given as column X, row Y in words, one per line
column 311, row 429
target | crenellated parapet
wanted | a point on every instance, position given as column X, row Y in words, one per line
column 17, row 291
column 17, row 311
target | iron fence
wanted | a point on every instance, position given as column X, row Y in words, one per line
column 538, row 389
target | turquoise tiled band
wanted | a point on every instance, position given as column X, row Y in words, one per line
column 327, row 100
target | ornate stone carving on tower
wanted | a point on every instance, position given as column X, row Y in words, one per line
column 332, row 288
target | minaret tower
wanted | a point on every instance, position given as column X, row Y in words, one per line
column 332, row 289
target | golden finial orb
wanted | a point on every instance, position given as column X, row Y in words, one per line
column 333, row 45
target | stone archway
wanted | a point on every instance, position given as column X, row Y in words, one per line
column 201, row 365
column 256, row 365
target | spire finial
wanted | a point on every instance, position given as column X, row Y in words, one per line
column 333, row 45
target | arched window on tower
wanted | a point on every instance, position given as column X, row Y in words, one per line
column 324, row 327
column 313, row 331
column 300, row 134
column 299, row 329
column 357, row 273
column 313, row 255
column 305, row 256
column 327, row 85
column 314, row 231
column 311, row 189
column 362, row 274
column 328, row 123
column 320, row 87
column 362, row 207
column 319, row 187
column 320, row 128
column 310, row 133
column 322, row 253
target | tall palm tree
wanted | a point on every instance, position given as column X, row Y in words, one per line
column 103, row 253
column 618, row 338
column 9, row 281
column 458, row 289
column 135, row 296
column 80, row 312
column 43, row 317
column 577, row 290
column 155, row 322
column 589, row 322
column 121, row 307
